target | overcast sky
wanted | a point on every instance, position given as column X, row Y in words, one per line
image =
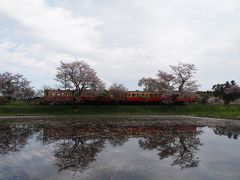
column 123, row 40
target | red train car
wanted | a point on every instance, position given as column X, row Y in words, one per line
column 131, row 97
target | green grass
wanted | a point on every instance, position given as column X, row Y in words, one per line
column 220, row 111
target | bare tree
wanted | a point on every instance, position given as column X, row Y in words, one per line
column 78, row 76
column 179, row 80
column 117, row 91
column 15, row 86
column 183, row 74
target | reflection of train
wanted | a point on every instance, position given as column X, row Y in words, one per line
column 56, row 133
column 130, row 97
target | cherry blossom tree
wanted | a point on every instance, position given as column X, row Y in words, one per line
column 166, row 81
column 150, row 84
column 78, row 76
column 15, row 86
column 117, row 91
column 180, row 80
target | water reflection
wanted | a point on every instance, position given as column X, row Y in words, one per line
column 231, row 131
column 75, row 149
column 180, row 143
column 75, row 154
column 13, row 138
column 79, row 146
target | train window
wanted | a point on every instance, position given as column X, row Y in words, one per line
column 151, row 95
column 143, row 94
column 133, row 95
column 155, row 95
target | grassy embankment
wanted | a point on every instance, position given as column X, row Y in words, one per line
column 219, row 111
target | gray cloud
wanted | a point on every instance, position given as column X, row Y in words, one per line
column 123, row 40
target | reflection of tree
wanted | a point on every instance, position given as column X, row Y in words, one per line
column 117, row 140
column 13, row 138
column 81, row 146
column 180, row 145
column 76, row 147
column 230, row 131
column 75, row 154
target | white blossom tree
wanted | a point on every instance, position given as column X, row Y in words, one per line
column 117, row 91
column 150, row 84
column 15, row 86
column 78, row 76
column 164, row 82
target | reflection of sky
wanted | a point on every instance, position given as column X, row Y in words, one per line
column 219, row 156
column 219, row 159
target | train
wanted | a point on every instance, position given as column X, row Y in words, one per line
column 130, row 97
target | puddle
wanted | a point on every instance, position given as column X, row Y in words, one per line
column 119, row 151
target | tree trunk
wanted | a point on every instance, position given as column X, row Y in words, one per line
column 74, row 100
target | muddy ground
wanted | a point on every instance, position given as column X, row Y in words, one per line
column 124, row 120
